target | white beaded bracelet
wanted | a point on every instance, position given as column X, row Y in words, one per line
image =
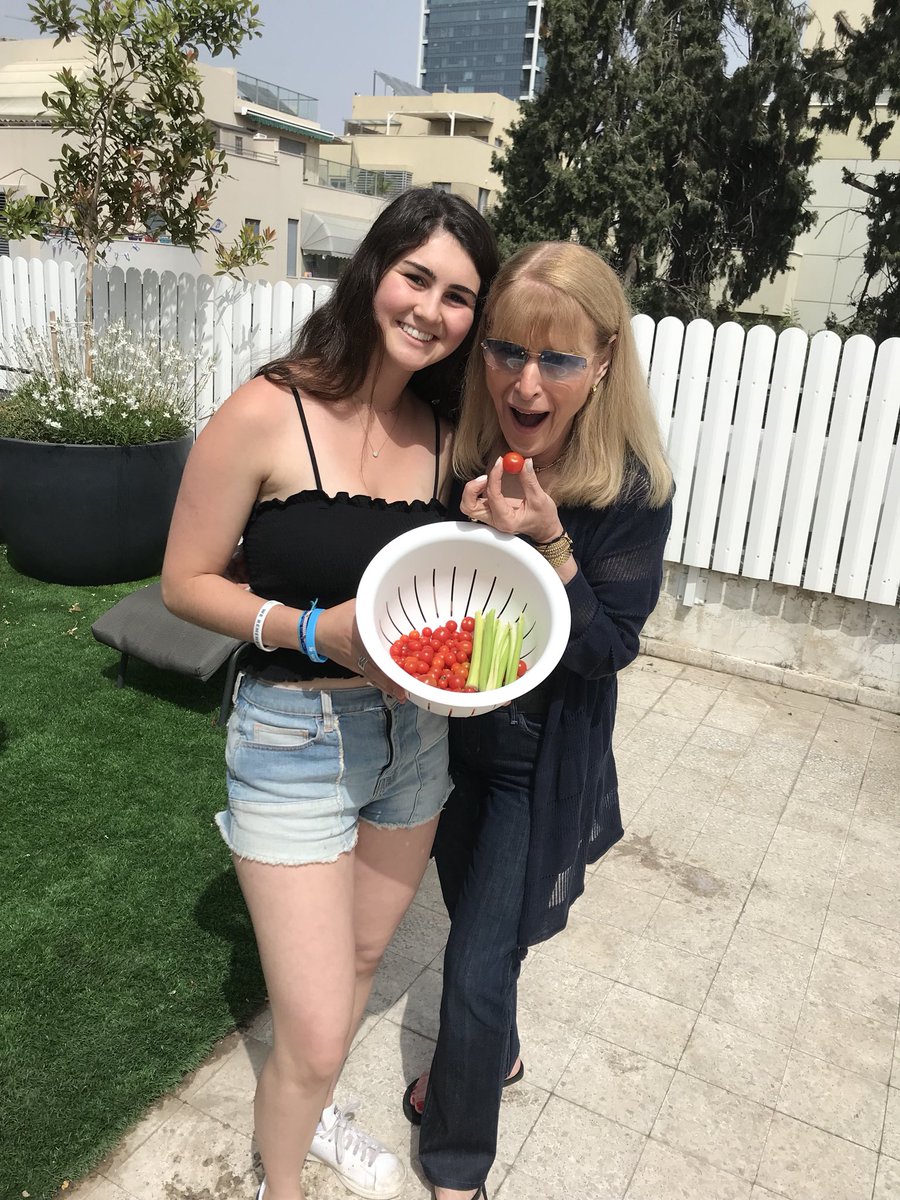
column 260, row 621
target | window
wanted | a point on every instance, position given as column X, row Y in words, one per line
column 440, row 187
column 292, row 229
column 483, row 194
column 251, row 223
column 238, row 144
column 289, row 145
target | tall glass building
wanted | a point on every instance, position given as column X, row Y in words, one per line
column 482, row 46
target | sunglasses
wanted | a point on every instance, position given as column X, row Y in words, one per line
column 554, row 365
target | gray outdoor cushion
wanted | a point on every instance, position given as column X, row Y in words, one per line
column 142, row 626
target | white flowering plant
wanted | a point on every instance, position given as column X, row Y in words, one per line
column 139, row 393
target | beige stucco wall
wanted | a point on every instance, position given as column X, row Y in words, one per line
column 812, row 641
column 423, row 144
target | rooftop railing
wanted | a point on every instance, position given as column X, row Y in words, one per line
column 270, row 95
column 387, row 183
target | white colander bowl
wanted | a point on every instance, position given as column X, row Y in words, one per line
column 430, row 575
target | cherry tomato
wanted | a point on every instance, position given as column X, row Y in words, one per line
column 513, row 462
column 451, row 626
column 468, row 624
column 426, row 633
column 521, row 669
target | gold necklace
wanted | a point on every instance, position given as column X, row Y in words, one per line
column 550, row 466
column 396, row 411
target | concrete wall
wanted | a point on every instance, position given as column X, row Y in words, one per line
column 811, row 641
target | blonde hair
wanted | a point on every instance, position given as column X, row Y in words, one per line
column 615, row 446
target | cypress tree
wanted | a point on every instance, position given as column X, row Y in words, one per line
column 859, row 81
column 651, row 146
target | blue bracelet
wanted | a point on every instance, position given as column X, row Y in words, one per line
column 306, row 633
column 310, row 635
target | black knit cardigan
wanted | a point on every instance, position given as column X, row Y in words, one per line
column 575, row 805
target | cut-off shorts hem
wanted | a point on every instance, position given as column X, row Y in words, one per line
column 304, row 767
column 272, row 860
column 405, row 824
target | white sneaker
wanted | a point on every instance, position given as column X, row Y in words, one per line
column 362, row 1164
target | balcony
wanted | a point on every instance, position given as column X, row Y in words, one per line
column 386, row 184
column 270, row 95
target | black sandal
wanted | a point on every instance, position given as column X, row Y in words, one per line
column 414, row 1117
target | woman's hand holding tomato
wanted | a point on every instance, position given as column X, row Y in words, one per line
column 535, row 515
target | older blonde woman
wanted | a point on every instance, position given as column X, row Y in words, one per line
column 558, row 380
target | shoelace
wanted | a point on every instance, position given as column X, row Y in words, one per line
column 350, row 1139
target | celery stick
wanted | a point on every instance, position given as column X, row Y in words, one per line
column 515, row 650
column 499, row 656
column 487, row 650
column 477, row 643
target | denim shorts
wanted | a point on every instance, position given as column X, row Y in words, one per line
column 304, row 766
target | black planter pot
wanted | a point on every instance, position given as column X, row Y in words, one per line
column 88, row 514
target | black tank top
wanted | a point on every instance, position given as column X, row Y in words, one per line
column 314, row 546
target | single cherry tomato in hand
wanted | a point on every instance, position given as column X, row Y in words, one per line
column 513, row 462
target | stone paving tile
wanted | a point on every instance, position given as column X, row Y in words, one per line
column 862, row 941
column 647, row 1024
column 798, row 918
column 887, row 1185
column 891, row 1143
column 691, row 927
column 623, row 907
column 641, row 861
column 616, row 1083
column 607, row 1153
column 761, row 984
column 735, row 1059
column 419, row 1006
column 665, row 1173
column 861, row 989
column 205, row 1156
column 224, row 1095
column 846, row 1039
column 837, row 1101
column 728, row 984
column 805, row 1163
column 668, row 972
column 692, row 1108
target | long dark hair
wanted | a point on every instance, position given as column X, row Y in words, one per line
column 332, row 353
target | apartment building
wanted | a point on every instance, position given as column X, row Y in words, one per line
column 444, row 141
column 284, row 170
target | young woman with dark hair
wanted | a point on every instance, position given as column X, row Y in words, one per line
column 334, row 784
column 558, row 380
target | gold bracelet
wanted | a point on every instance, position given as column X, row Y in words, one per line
column 557, row 551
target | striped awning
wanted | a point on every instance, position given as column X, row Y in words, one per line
column 294, row 127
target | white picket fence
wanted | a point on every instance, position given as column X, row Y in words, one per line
column 784, row 448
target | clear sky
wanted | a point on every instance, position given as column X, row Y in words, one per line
column 326, row 48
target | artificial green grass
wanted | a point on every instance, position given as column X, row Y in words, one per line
column 125, row 948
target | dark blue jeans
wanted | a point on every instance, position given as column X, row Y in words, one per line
column 481, row 850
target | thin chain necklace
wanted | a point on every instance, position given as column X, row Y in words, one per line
column 550, row 466
column 396, row 411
